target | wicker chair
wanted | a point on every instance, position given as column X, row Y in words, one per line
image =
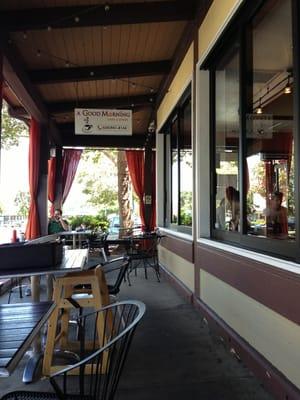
column 105, row 338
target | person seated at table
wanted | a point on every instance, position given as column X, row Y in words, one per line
column 277, row 219
column 233, row 204
column 57, row 223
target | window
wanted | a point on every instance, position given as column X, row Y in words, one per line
column 252, row 93
column 178, row 167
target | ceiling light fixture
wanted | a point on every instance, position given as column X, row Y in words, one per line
column 259, row 108
column 76, row 19
column 106, row 7
column 288, row 88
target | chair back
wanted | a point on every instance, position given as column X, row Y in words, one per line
column 114, row 265
column 105, row 338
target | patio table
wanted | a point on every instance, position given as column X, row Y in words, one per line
column 77, row 236
column 19, row 324
column 31, row 319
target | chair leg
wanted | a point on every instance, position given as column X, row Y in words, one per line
column 20, row 288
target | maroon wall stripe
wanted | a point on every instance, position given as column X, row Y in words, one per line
column 277, row 289
column 181, row 247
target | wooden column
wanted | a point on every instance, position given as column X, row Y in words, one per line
column 42, row 200
column 148, row 183
column 58, row 178
column 42, row 193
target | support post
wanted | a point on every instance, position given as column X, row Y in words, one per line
column 148, row 184
column 58, row 178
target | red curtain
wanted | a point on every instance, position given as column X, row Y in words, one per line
column 33, row 223
column 136, row 163
column 153, row 207
column 70, row 163
column 51, row 183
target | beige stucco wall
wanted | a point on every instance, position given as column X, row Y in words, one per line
column 177, row 87
column 178, row 266
column 217, row 17
column 274, row 336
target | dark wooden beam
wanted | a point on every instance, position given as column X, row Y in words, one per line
column 94, row 15
column 183, row 46
column 18, row 81
column 100, row 72
column 108, row 102
column 121, row 142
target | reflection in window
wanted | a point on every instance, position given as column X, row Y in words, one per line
column 179, row 167
column 227, row 201
column 174, row 163
column 269, row 142
column 186, row 162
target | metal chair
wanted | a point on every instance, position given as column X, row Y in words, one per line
column 98, row 241
column 143, row 252
column 105, row 338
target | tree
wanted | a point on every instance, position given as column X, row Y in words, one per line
column 22, row 201
column 100, row 180
column 12, row 130
column 123, row 191
column 107, row 184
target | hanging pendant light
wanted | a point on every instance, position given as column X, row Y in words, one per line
column 288, row 88
column 259, row 108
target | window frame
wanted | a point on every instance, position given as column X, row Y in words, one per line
column 175, row 117
column 240, row 28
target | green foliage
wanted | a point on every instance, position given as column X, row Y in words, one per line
column 22, row 201
column 12, row 130
column 98, row 222
column 99, row 179
column 186, row 208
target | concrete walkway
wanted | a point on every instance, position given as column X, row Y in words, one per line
column 173, row 355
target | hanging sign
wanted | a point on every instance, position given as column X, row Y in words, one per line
column 92, row 121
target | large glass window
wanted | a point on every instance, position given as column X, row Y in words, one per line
column 253, row 131
column 269, row 142
column 178, row 167
column 227, row 198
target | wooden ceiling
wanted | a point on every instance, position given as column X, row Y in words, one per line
column 62, row 54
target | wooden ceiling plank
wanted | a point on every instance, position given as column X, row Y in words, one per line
column 94, row 15
column 19, row 82
column 182, row 47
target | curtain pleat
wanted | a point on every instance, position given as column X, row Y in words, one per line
column 51, row 183
column 33, row 223
column 70, row 163
column 136, row 164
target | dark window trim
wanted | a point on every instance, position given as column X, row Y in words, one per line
column 175, row 115
column 240, row 26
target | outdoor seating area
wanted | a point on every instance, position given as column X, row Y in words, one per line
column 173, row 354
column 149, row 207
